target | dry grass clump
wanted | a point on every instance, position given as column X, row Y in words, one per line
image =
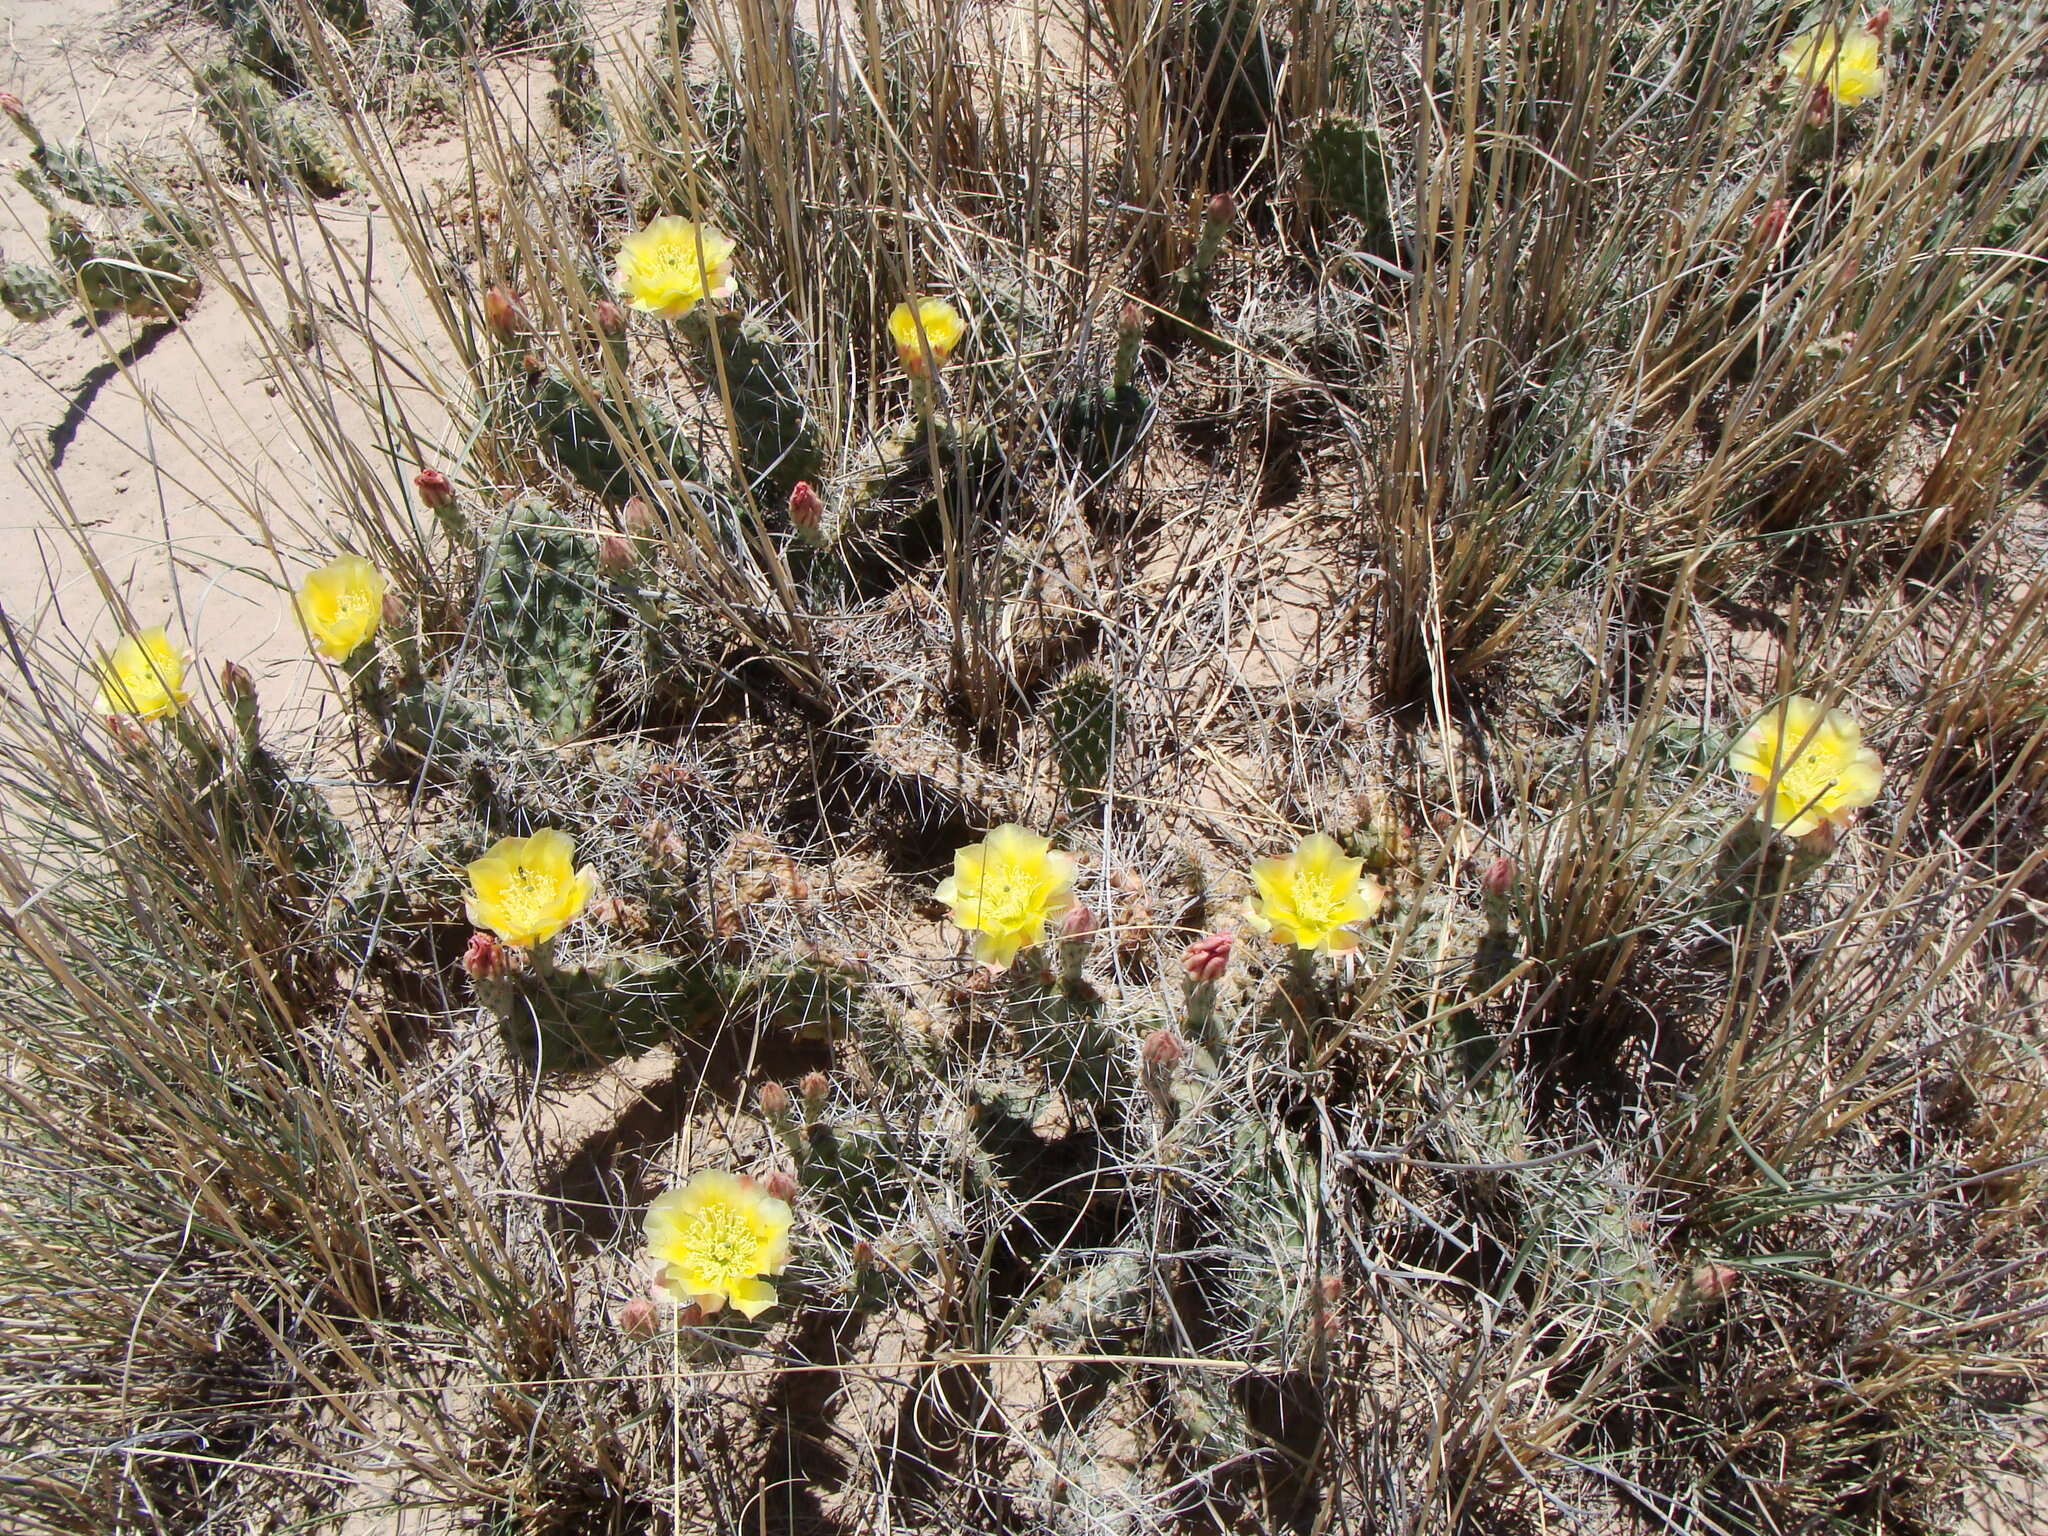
column 1426, row 441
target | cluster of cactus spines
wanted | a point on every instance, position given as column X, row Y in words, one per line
column 545, row 615
column 851, row 1165
column 268, row 137
column 578, row 438
column 1084, row 716
column 1344, row 168
column 576, row 97
column 1192, row 310
column 747, row 365
column 150, row 274
column 260, row 806
column 892, row 517
column 29, row 291
column 73, row 169
column 574, row 1017
column 1102, row 427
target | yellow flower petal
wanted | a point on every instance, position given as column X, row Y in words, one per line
column 752, row 1297
column 715, row 1238
column 673, row 265
column 1007, row 889
column 1850, row 65
column 527, row 889
column 341, row 605
column 1809, row 764
column 929, row 323
column 144, row 676
column 1307, row 898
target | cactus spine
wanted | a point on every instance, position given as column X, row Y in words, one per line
column 547, row 616
column 1084, row 716
column 270, row 140
column 748, row 365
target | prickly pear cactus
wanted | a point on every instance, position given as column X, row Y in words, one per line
column 890, row 520
column 575, row 1017
column 151, row 275
column 1084, row 716
column 744, row 361
column 1344, row 170
column 270, row 139
column 576, row 98
column 546, row 616
column 577, row 437
column 32, row 292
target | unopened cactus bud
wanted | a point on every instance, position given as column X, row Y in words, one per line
column 1500, row 877
column 1820, row 107
column 616, row 554
column 1714, row 1282
column 1130, row 335
column 437, row 491
column 638, row 1318
column 611, row 317
column 807, row 512
column 393, row 610
column 239, row 689
column 504, row 314
column 816, row 1089
column 1079, row 924
column 486, row 958
column 1159, row 1057
column 1880, row 21
column 1208, row 958
column 1772, row 222
column 638, row 518
column 779, row 1184
column 1332, row 1287
column 1222, row 209
column 774, row 1101
column 863, row 1256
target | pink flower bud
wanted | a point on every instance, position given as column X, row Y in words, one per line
column 1161, row 1052
column 1820, row 106
column 1208, row 958
column 1222, row 209
column 485, row 959
column 1880, row 20
column 779, row 1184
column 616, row 554
column 1771, row 223
column 1500, row 877
column 774, row 1100
column 436, row 490
column 815, row 1089
column 393, row 609
column 806, row 506
column 1713, row 1282
column 638, row 1319
column 503, row 313
column 611, row 319
column 1130, row 319
column 11, row 104
column 863, row 1255
column 638, row 518
column 1079, row 922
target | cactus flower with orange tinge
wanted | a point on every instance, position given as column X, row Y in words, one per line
column 341, row 605
column 923, row 323
column 143, row 676
column 1848, row 65
column 1310, row 898
column 528, row 889
column 1007, row 890
column 1810, row 764
column 674, row 265
column 715, row 1240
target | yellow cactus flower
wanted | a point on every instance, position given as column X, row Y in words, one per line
column 1822, row 770
column 673, row 265
column 943, row 331
column 1308, row 898
column 341, row 605
column 143, row 676
column 715, row 1238
column 1849, row 64
column 1006, row 889
column 528, row 889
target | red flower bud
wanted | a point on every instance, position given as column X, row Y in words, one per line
column 774, row 1100
column 1130, row 318
column 436, row 489
column 1161, row 1052
column 393, row 609
column 780, row 1184
column 1713, row 1282
column 1222, row 209
column 863, row 1254
column 638, row 518
column 236, row 685
column 806, row 506
column 1500, row 877
column 485, row 959
column 1820, row 106
column 11, row 104
column 1880, row 20
column 1078, row 923
column 1208, row 958
column 638, row 1319
column 815, row 1088
column 611, row 319
column 1771, row 223
column 616, row 554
